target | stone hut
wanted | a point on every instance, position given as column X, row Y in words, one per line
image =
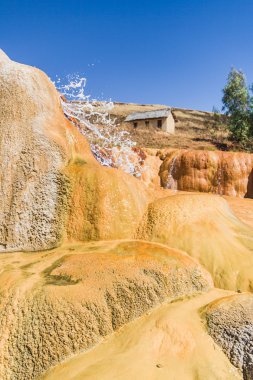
column 162, row 119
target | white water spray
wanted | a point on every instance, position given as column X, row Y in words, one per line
column 110, row 145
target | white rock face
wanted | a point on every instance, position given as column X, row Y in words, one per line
column 32, row 188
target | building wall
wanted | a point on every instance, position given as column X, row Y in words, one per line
column 168, row 124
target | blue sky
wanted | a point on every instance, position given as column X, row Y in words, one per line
column 169, row 52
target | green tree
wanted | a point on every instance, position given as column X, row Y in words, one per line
column 237, row 104
column 251, row 114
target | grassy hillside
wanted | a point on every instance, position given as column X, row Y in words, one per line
column 194, row 129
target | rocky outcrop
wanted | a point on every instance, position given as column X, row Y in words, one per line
column 51, row 187
column 224, row 173
column 33, row 190
column 170, row 342
column 203, row 226
column 230, row 323
column 104, row 203
column 52, row 190
column 151, row 167
column 65, row 301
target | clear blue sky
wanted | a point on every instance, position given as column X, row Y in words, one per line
column 170, row 52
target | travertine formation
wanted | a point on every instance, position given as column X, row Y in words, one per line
column 171, row 342
column 203, row 226
column 104, row 203
column 54, row 305
column 223, row 173
column 33, row 130
column 51, row 187
column 230, row 323
column 54, row 194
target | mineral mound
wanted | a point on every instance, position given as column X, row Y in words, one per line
column 230, row 323
column 223, row 173
column 58, row 304
column 89, row 252
column 52, row 188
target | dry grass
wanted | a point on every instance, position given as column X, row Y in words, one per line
column 194, row 129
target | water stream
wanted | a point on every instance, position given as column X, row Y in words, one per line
column 109, row 144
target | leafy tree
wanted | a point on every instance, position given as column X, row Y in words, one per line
column 217, row 127
column 251, row 113
column 238, row 105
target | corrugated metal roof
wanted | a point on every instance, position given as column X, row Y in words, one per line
column 157, row 114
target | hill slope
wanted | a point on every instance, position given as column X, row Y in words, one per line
column 193, row 128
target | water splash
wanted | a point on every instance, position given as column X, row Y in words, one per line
column 171, row 182
column 110, row 145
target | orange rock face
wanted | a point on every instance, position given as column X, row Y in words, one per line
column 51, row 186
column 82, row 294
column 224, row 173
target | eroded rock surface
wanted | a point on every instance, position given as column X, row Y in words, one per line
column 224, row 173
column 52, row 191
column 56, row 304
column 203, row 226
column 230, row 323
column 51, row 187
column 32, row 188
column 170, row 342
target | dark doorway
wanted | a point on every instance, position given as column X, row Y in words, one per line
column 159, row 123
